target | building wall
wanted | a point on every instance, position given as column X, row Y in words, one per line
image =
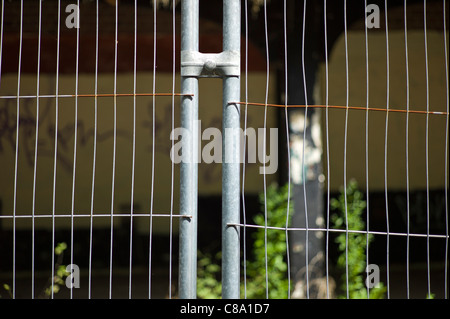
column 209, row 174
column 396, row 159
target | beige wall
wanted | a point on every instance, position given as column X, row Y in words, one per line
column 209, row 174
column 396, row 161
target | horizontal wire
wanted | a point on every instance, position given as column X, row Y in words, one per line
column 90, row 95
column 92, row 215
column 339, row 231
column 360, row 108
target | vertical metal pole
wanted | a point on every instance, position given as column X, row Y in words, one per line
column 195, row 64
column 189, row 167
column 231, row 156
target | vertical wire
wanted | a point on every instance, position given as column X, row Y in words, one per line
column 367, row 144
column 303, row 155
column 173, row 142
column 407, row 153
column 55, row 159
column 35, row 152
column 244, row 217
column 94, row 154
column 288, row 147
column 345, row 147
column 17, row 149
column 386, row 149
column 328, row 150
column 264, row 148
column 55, row 147
column 426, row 142
column 134, row 153
column 153, row 154
column 1, row 39
column 446, row 156
column 74, row 147
column 114, row 150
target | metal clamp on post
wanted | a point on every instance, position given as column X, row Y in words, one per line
column 210, row 65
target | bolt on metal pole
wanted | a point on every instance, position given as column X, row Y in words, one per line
column 231, row 156
column 189, row 167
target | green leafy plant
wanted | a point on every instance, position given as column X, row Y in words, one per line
column 7, row 288
column 278, row 284
column 208, row 271
column 57, row 281
column 353, row 246
column 431, row 296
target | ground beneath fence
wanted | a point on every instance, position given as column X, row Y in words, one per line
column 160, row 283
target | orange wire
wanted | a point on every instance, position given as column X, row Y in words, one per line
column 343, row 108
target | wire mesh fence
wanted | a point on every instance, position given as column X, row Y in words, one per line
column 345, row 106
column 73, row 113
column 360, row 58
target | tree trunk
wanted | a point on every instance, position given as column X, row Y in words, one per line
column 305, row 169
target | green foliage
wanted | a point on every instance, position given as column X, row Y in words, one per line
column 356, row 243
column 7, row 288
column 60, row 274
column 60, row 248
column 58, row 279
column 208, row 272
column 278, row 285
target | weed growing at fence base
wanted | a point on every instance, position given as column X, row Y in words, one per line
column 209, row 285
column 278, row 283
column 208, row 282
column 54, row 283
column 356, row 244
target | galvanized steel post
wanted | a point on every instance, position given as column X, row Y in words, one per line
column 227, row 66
column 231, row 155
column 189, row 167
